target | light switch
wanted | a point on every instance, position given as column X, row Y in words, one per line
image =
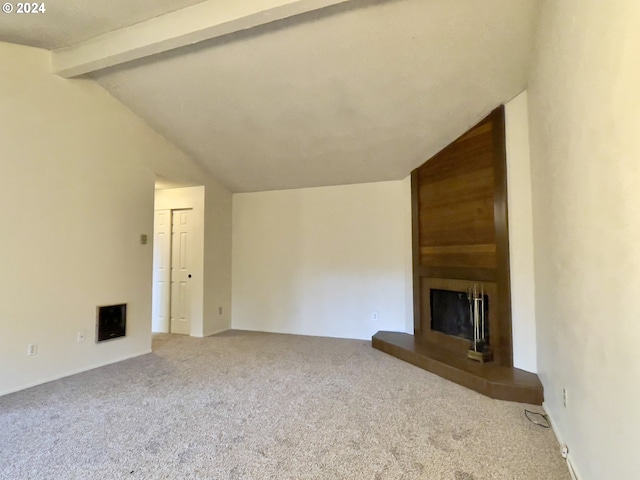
column 143, row 239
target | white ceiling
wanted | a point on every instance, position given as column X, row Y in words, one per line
column 364, row 91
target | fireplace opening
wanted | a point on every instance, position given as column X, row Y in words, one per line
column 452, row 314
column 111, row 322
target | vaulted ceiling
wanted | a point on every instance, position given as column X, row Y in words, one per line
column 339, row 92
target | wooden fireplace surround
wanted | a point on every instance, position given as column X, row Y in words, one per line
column 461, row 237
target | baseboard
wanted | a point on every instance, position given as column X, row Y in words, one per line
column 215, row 332
column 71, row 372
column 572, row 469
column 300, row 334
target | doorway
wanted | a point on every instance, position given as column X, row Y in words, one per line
column 173, row 249
column 178, row 247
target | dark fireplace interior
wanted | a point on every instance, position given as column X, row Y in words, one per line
column 451, row 314
column 112, row 322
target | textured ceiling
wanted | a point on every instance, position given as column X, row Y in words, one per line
column 66, row 22
column 365, row 91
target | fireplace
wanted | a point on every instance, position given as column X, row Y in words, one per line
column 111, row 322
column 460, row 239
column 452, row 313
column 446, row 315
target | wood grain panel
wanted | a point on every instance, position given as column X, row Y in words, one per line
column 484, row 127
column 456, row 193
column 467, row 185
column 464, row 223
column 483, row 256
column 469, row 152
column 460, row 229
column 490, row 379
column 462, row 273
column 502, row 236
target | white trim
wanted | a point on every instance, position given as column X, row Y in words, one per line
column 215, row 332
column 572, row 469
column 72, row 372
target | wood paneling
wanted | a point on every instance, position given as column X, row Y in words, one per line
column 460, row 229
column 482, row 255
column 502, row 237
column 456, row 193
column 479, row 274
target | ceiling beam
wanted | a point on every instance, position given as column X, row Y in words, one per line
column 200, row 22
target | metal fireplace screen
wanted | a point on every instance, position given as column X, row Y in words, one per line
column 451, row 313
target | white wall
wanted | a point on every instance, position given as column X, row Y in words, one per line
column 584, row 106
column 320, row 261
column 217, row 259
column 285, row 255
column 408, row 255
column 78, row 172
column 523, row 313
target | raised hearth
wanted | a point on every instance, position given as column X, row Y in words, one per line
column 490, row 379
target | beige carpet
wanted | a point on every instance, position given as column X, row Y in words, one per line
column 244, row 405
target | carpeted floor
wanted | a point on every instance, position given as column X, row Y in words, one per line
column 243, row 405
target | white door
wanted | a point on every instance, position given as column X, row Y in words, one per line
column 181, row 258
column 161, row 271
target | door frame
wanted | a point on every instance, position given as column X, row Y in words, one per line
column 181, row 199
column 161, row 279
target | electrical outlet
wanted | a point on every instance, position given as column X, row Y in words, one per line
column 564, row 397
column 32, row 349
column 219, row 310
column 81, row 336
column 564, row 451
column 374, row 317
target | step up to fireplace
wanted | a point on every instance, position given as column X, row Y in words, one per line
column 490, row 379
